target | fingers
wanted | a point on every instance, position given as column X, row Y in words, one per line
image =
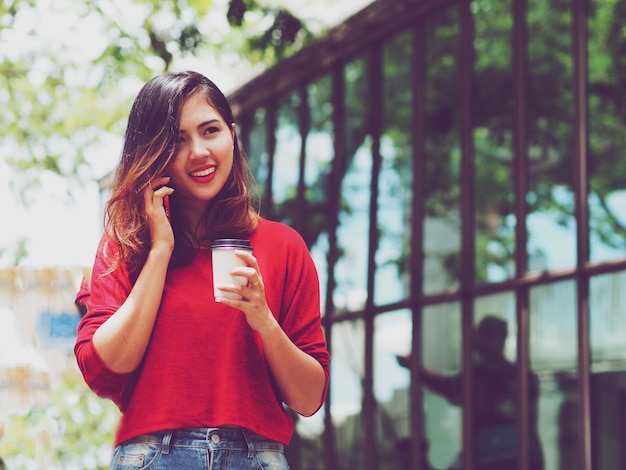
column 157, row 183
column 255, row 283
column 251, row 274
column 161, row 232
column 251, row 271
column 155, row 191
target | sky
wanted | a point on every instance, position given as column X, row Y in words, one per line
column 60, row 232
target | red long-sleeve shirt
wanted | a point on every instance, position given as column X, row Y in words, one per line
column 204, row 365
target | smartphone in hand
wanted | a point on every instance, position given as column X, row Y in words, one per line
column 166, row 205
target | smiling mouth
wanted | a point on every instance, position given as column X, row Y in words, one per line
column 205, row 172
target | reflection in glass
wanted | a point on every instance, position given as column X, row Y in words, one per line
column 607, row 304
column 493, row 147
column 352, row 240
column 392, row 338
column 496, row 388
column 495, row 394
column 317, row 176
column 441, row 339
column 551, row 222
column 501, row 306
column 442, row 240
column 287, row 159
column 347, row 373
column 395, row 177
column 553, row 356
column 607, row 140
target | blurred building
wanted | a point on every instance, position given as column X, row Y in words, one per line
column 38, row 323
column 446, row 160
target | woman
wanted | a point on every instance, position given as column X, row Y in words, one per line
column 200, row 382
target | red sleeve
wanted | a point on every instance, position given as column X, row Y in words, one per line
column 103, row 297
column 300, row 315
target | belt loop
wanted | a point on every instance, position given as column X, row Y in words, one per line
column 247, row 437
column 165, row 444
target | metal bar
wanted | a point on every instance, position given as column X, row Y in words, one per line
column 584, row 371
column 270, row 128
column 530, row 280
column 339, row 115
column 467, row 226
column 579, row 31
column 523, row 408
column 372, row 25
column 418, row 71
column 520, row 179
column 304, row 125
column 374, row 120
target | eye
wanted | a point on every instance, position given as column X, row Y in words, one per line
column 211, row 130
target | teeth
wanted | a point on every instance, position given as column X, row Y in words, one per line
column 206, row 172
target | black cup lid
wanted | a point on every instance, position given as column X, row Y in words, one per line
column 231, row 243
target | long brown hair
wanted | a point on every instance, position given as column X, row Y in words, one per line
column 150, row 146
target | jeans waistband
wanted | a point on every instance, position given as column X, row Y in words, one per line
column 214, row 438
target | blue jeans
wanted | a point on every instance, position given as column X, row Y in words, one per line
column 200, row 449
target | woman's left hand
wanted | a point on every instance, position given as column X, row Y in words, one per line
column 253, row 304
column 299, row 376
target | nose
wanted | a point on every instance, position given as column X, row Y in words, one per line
column 199, row 148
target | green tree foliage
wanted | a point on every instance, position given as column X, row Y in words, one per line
column 607, row 88
column 75, row 430
column 285, row 35
column 64, row 92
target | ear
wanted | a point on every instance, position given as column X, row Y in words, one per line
column 233, row 129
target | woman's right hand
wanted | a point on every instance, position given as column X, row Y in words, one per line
column 161, row 232
column 121, row 341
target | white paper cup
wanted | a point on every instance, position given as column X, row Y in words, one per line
column 224, row 261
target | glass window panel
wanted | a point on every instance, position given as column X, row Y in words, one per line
column 347, row 373
column 392, row 338
column 257, row 151
column 607, row 304
column 287, row 160
column 607, row 140
column 317, row 176
column 352, row 239
column 320, row 140
column 441, row 357
column 493, row 148
column 551, row 222
column 442, row 239
column 392, row 281
column 306, row 448
column 607, row 321
column 553, row 326
column 553, row 356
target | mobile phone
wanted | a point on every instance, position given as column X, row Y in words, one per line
column 166, row 205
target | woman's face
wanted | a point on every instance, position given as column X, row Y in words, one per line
column 205, row 155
